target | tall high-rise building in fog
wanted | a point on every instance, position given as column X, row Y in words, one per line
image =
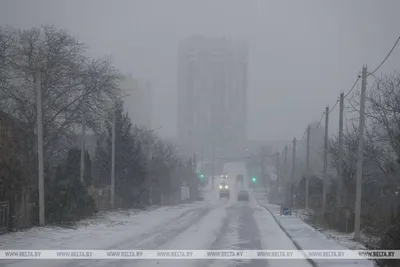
column 212, row 95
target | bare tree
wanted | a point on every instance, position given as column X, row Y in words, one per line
column 6, row 41
column 384, row 115
column 68, row 79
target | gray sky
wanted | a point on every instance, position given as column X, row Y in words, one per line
column 302, row 52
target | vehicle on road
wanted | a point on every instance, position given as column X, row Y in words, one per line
column 224, row 176
column 243, row 195
column 223, row 190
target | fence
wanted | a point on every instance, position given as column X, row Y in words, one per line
column 4, row 216
column 101, row 197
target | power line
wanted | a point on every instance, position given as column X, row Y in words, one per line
column 337, row 101
column 320, row 120
column 390, row 52
column 303, row 135
column 354, row 85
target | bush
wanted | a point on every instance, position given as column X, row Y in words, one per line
column 67, row 199
column 391, row 241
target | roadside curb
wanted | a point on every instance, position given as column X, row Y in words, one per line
column 313, row 263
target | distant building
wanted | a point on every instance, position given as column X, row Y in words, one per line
column 138, row 102
column 212, row 95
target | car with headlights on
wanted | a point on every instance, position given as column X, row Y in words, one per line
column 224, row 190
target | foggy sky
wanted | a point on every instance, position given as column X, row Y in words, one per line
column 303, row 53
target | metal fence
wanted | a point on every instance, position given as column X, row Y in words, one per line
column 4, row 216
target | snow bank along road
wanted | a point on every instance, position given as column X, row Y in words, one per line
column 218, row 224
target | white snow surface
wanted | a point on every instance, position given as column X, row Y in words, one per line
column 308, row 238
column 202, row 225
column 98, row 234
column 345, row 239
column 213, row 224
column 274, row 238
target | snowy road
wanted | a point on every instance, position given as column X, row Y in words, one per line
column 213, row 224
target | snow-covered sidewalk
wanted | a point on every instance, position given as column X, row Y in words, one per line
column 102, row 231
column 95, row 233
column 306, row 237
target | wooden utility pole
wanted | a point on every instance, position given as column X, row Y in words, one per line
column 83, row 135
column 293, row 177
column 262, row 170
column 307, row 168
column 340, row 161
column 285, row 173
column 360, row 155
column 39, row 106
column 325, row 178
column 278, row 173
column 112, row 187
column 213, row 168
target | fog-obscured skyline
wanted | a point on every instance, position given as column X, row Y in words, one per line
column 302, row 53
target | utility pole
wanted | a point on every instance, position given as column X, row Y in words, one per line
column 307, row 167
column 83, row 134
column 39, row 105
column 360, row 156
column 284, row 169
column 340, row 159
column 292, row 180
column 324, row 181
column 149, row 176
column 278, row 173
column 213, row 167
column 112, row 195
column 262, row 169
column 285, row 172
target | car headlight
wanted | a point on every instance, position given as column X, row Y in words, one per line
column 220, row 187
column 226, row 187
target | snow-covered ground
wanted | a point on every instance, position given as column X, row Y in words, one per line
column 308, row 238
column 345, row 239
column 213, row 224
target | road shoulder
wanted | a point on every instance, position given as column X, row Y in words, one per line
column 305, row 237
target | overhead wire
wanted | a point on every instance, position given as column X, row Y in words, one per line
column 337, row 101
column 388, row 55
column 304, row 134
column 320, row 120
column 354, row 85
column 334, row 106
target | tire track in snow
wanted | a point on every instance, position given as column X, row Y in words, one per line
column 136, row 241
column 198, row 236
column 152, row 240
column 234, row 235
